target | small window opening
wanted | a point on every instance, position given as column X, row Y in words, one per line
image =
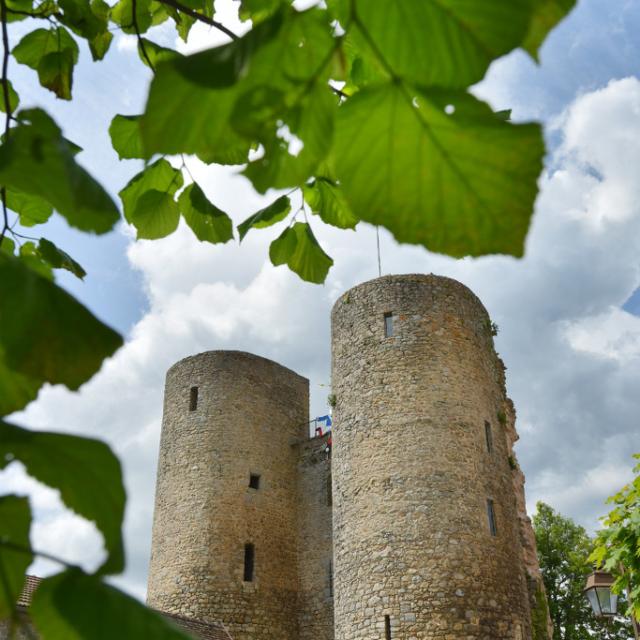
column 254, row 481
column 387, row 628
column 193, row 399
column 488, row 436
column 330, row 578
column 491, row 515
column 249, row 560
column 388, row 325
column 329, row 492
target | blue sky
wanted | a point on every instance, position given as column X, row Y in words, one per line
column 568, row 316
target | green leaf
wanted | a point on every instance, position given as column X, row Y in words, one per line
column 546, row 15
column 31, row 257
column 438, row 168
column 155, row 215
column 14, row 100
column 53, row 54
column 75, row 606
column 449, row 43
column 148, row 200
column 122, row 14
column 55, row 73
column 278, row 210
column 298, row 248
column 310, row 122
column 258, row 10
column 155, row 52
column 37, row 44
column 17, row 390
column 46, row 334
column 38, row 161
column 31, row 209
column 89, row 20
column 192, row 99
column 125, row 136
column 86, row 472
column 8, row 246
column 15, row 521
column 58, row 259
column 209, row 223
column 327, row 200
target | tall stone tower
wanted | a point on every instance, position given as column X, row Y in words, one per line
column 225, row 525
column 426, row 532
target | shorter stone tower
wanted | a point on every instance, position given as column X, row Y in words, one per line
column 225, row 524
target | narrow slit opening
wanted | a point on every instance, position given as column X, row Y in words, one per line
column 254, row 481
column 193, row 399
column 249, row 560
column 388, row 324
column 488, row 436
column 387, row 628
column 491, row 515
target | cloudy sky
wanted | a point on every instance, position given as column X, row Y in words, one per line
column 568, row 316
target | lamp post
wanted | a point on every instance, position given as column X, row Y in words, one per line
column 602, row 600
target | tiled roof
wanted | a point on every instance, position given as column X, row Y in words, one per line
column 199, row 630
column 30, row 585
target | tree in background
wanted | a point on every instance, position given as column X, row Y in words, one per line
column 563, row 550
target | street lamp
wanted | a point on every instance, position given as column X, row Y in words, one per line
column 598, row 591
column 603, row 602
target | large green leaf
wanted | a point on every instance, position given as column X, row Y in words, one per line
column 37, row 160
column 449, row 43
column 16, row 389
column 278, row 210
column 289, row 162
column 125, row 136
column 327, row 200
column 209, row 223
column 85, row 471
column 546, row 15
column 46, row 334
column 148, row 200
column 298, row 248
column 15, row 521
column 192, row 99
column 438, row 168
column 75, row 606
column 52, row 53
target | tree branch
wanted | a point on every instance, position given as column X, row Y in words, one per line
column 143, row 49
column 7, row 105
column 201, row 18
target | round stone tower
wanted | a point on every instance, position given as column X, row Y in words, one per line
column 224, row 531
column 425, row 525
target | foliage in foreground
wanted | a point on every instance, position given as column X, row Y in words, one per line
column 358, row 111
column 617, row 547
column 563, row 551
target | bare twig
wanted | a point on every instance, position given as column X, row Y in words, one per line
column 201, row 18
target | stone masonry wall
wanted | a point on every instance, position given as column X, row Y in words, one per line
column 250, row 414
column 315, row 548
column 412, row 472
